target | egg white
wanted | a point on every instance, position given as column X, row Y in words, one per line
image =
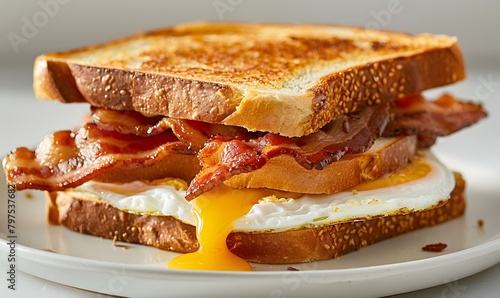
column 306, row 211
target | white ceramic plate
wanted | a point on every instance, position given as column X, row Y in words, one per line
column 393, row 266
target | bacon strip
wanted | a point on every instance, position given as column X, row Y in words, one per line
column 223, row 157
column 193, row 133
column 128, row 122
column 66, row 159
column 430, row 119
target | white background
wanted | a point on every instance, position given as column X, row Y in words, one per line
column 74, row 23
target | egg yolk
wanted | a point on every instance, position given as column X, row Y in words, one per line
column 215, row 212
column 417, row 169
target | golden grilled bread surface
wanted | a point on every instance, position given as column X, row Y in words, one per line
column 286, row 79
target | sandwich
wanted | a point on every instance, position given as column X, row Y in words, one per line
column 237, row 142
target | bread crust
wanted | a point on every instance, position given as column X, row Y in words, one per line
column 298, row 79
column 287, row 247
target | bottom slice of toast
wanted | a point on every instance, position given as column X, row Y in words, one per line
column 294, row 246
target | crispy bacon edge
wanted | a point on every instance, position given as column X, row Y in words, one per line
column 431, row 119
column 193, row 133
column 67, row 159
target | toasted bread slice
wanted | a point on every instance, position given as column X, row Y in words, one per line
column 284, row 173
column 286, row 79
column 98, row 218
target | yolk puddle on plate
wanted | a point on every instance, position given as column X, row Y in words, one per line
column 417, row 169
column 215, row 213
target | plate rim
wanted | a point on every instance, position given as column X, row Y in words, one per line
column 469, row 253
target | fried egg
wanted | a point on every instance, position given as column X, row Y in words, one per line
column 423, row 184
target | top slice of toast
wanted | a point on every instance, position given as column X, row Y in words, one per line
column 282, row 78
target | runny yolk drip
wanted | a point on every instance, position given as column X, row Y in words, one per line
column 417, row 169
column 215, row 212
